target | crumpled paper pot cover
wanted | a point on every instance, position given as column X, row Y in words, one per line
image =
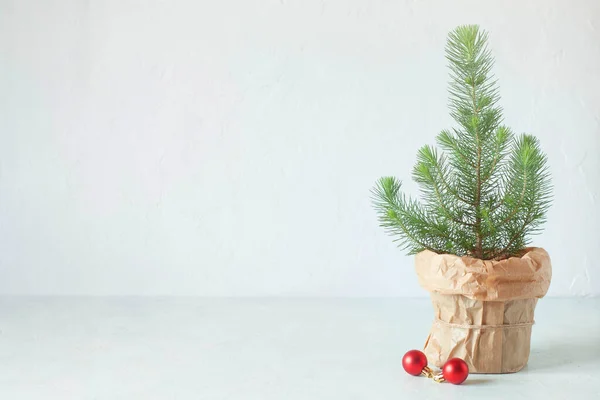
column 483, row 308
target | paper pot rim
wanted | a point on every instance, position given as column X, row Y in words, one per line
column 522, row 277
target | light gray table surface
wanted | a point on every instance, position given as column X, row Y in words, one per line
column 263, row 349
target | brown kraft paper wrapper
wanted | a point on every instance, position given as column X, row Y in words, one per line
column 483, row 308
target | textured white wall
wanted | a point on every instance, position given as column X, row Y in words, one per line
column 228, row 147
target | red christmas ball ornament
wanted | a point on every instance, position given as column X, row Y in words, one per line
column 455, row 371
column 414, row 362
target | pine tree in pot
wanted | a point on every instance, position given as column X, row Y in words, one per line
column 483, row 196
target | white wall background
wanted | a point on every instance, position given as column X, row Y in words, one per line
column 228, row 147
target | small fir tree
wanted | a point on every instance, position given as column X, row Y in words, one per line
column 488, row 191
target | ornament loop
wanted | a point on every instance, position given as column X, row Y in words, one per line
column 428, row 372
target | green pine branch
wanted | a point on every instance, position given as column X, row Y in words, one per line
column 488, row 191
